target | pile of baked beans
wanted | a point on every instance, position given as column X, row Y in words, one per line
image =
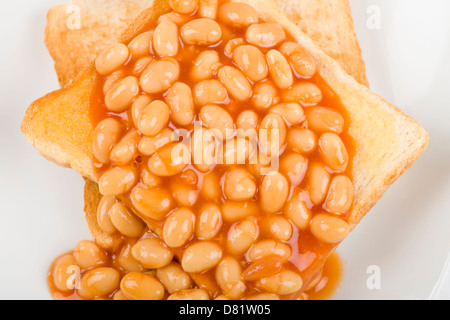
column 221, row 160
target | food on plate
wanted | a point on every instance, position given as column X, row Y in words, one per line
column 252, row 212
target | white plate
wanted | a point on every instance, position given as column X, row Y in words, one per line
column 405, row 237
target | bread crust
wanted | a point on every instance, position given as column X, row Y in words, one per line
column 387, row 141
column 103, row 21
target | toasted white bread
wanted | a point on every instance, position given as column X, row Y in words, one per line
column 387, row 141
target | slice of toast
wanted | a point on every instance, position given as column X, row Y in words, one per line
column 77, row 31
column 387, row 141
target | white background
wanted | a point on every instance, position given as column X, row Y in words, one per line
column 406, row 235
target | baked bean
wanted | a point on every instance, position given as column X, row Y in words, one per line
column 152, row 253
column 264, row 95
column 329, row 229
column 242, row 236
column 185, row 195
column 105, row 136
column 301, row 60
column 65, row 273
column 294, row 166
column 210, row 92
column 120, row 97
column 265, row 35
column 203, row 149
column 292, row 113
column 141, row 45
column 236, row 151
column 205, row 281
column 103, row 218
column 247, row 123
column 321, row 119
column 89, row 255
column 205, row 65
column 191, row 294
column 201, row 32
column 239, row 185
column 153, row 203
column 306, row 93
column 229, row 278
column 298, row 212
column 340, row 195
column 277, row 227
column 274, row 192
column 112, row 58
column 139, row 286
column 234, row 210
column 272, row 135
column 333, row 152
column 218, row 120
column 119, row 296
column 165, row 39
column 178, row 227
column 209, row 223
column 184, row 6
column 263, row 268
column 235, row 82
column 189, row 177
column 126, row 222
column 263, row 297
column 208, row 8
column 149, row 179
column 99, row 282
column 111, row 81
column 170, row 160
column 211, row 189
column 302, row 140
column 261, row 165
column 154, row 118
column 160, row 75
column 222, row 297
column 125, row 151
column 148, row 146
column 232, row 45
column 179, row 97
column 138, row 105
column 286, row 282
column 201, row 256
column 117, row 181
column 238, row 15
column 318, row 182
column 140, row 65
column 178, row 19
column 126, row 260
column 267, row 248
column 280, row 69
column 174, row 278
column 251, row 61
